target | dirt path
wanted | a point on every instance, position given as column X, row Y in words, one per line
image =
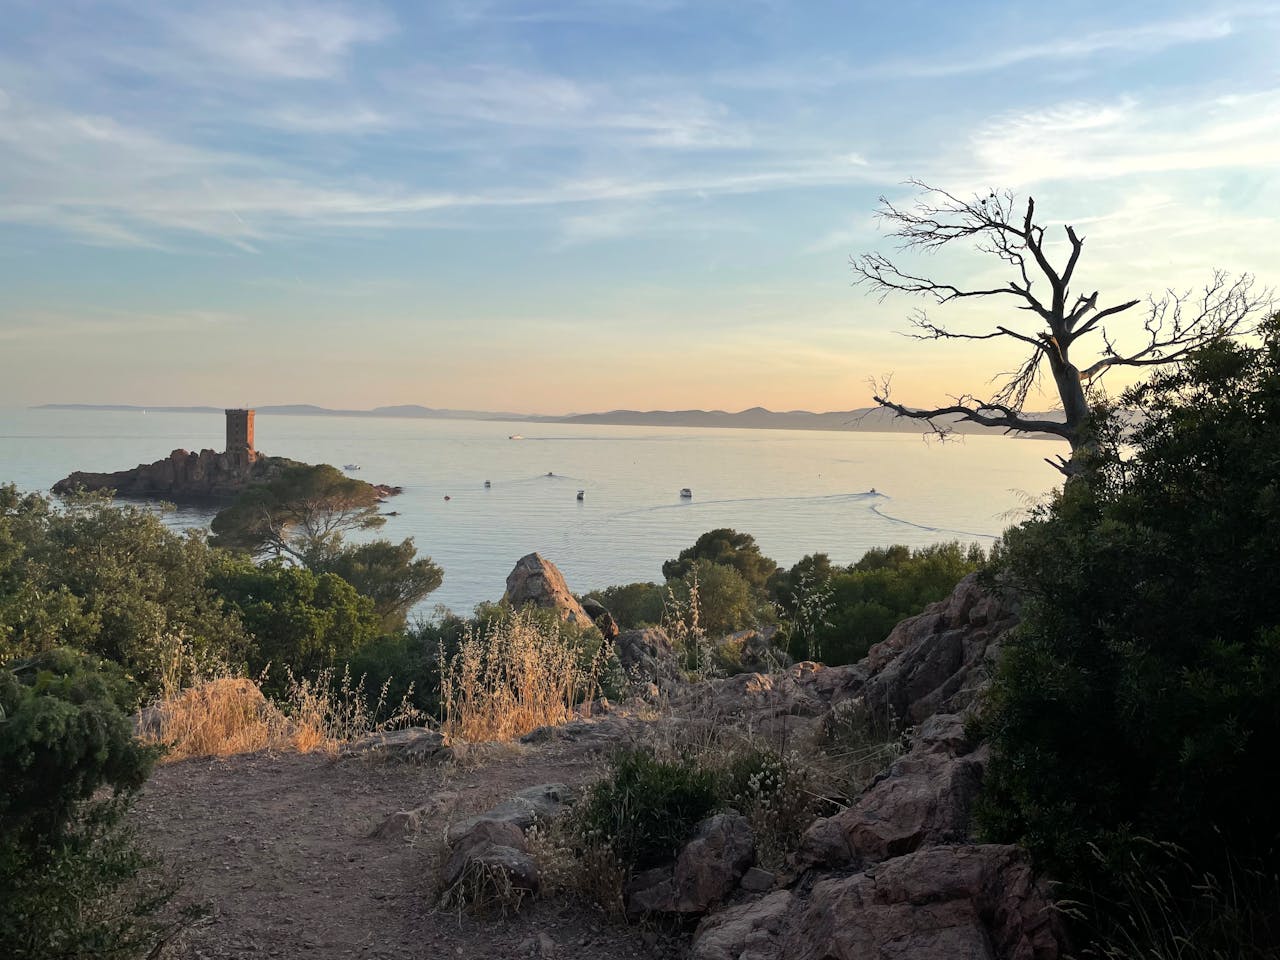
column 276, row 851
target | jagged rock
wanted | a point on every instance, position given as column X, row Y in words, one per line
column 923, row 799
column 488, row 841
column 755, row 930
column 494, row 840
column 937, row 662
column 543, row 802
column 408, row 745
column 755, row 650
column 602, row 618
column 536, row 581
column 757, row 880
column 705, row 873
column 647, row 655
column 974, row 902
column 943, row 902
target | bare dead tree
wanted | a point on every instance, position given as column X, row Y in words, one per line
column 1173, row 325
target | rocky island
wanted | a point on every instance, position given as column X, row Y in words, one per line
column 188, row 477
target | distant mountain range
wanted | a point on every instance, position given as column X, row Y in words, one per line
column 867, row 419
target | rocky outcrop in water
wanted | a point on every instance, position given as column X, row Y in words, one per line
column 183, row 476
column 186, row 477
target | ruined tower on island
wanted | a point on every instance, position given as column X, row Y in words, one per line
column 240, row 438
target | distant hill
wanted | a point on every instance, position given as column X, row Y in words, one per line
column 866, row 419
column 412, row 410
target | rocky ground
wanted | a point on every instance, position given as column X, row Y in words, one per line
column 279, row 858
column 312, row 857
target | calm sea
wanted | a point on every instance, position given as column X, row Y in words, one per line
column 797, row 492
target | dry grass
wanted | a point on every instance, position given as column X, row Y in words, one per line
column 216, row 718
column 517, row 675
column 228, row 715
column 586, row 870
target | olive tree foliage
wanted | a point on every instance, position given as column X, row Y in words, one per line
column 301, row 515
column 1078, row 337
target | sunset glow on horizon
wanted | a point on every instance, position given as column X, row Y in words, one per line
column 561, row 207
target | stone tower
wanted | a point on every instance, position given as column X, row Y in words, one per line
column 240, row 437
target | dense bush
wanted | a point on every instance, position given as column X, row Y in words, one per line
column 111, row 580
column 728, row 548
column 392, row 575
column 861, row 603
column 725, row 602
column 68, row 867
column 633, row 604
column 646, row 808
column 1141, row 698
column 299, row 620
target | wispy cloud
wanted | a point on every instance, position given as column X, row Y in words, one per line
column 293, row 40
column 503, row 96
column 81, row 173
column 1127, row 137
column 984, row 57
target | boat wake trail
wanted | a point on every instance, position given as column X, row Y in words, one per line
column 688, row 504
column 875, row 508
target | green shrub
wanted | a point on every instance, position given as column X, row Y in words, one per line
column 299, row 620
column 633, row 604
column 727, row 548
column 112, row 581
column 647, row 808
column 724, row 599
column 69, row 869
column 392, row 575
column 1141, row 695
column 862, row 603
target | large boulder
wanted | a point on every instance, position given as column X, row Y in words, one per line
column 493, row 842
column 937, row 662
column 536, row 581
column 922, row 800
column 705, row 873
column 975, row 902
column 647, row 655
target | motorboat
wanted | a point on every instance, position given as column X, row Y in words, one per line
column 686, row 493
column 351, row 467
column 515, row 436
column 487, row 484
column 582, row 494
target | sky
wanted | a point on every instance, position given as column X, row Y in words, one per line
column 569, row 206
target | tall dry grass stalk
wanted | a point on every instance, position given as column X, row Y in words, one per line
column 227, row 715
column 513, row 677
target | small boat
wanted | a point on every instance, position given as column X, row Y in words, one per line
column 686, row 493
column 352, row 467
column 872, row 490
column 582, row 494
column 447, row 497
column 487, row 484
column 515, row 436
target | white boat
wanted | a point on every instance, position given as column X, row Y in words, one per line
column 515, row 436
column 686, row 493
column 351, row 466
